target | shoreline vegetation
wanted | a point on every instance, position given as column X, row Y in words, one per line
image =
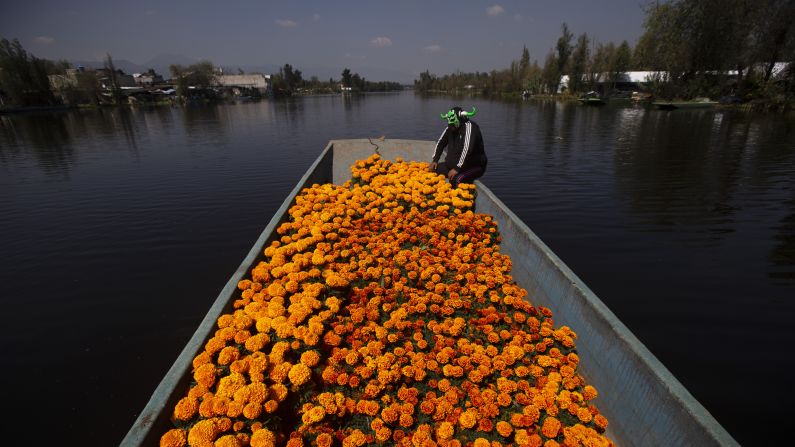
column 735, row 52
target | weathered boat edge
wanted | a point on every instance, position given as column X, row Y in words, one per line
column 152, row 423
column 646, row 404
column 660, row 411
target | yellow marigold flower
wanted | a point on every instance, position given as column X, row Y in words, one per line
column 445, row 430
column 173, row 438
column 263, row 438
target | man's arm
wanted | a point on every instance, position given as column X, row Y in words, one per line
column 441, row 143
column 467, row 144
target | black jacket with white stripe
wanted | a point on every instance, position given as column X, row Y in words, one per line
column 464, row 147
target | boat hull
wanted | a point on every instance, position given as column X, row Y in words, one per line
column 684, row 105
column 643, row 401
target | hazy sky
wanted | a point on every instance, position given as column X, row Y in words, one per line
column 401, row 36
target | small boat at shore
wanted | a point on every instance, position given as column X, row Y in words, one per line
column 701, row 103
column 592, row 99
column 646, row 404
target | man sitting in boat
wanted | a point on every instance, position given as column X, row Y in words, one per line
column 466, row 157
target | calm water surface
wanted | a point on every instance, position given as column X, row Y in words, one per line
column 118, row 228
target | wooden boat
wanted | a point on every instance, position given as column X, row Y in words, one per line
column 592, row 98
column 592, row 101
column 672, row 105
column 645, row 403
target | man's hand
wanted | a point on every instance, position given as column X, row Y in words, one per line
column 453, row 172
column 432, row 166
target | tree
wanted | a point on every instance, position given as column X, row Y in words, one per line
column 200, row 75
column 23, row 77
column 524, row 62
column 346, row 77
column 579, row 63
column 773, row 33
column 564, row 48
column 618, row 62
column 113, row 80
column 550, row 74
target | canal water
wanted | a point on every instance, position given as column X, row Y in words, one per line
column 119, row 227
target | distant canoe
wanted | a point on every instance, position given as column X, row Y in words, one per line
column 672, row 105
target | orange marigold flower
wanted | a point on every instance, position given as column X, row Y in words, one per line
column 481, row 442
column 589, row 392
column 299, row 374
column 445, row 430
column 600, row 421
column 406, row 420
column 205, row 375
column 186, row 408
column 314, row 415
column 263, row 438
column 203, row 432
column 504, row 429
column 584, row 415
column 551, row 427
column 468, row 419
column 355, row 439
column 252, row 410
column 383, row 434
column 228, row 441
column 324, row 440
column 295, row 442
column 310, row 358
column 173, row 438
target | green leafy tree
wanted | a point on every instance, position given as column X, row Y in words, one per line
column 550, row 74
column 579, row 64
column 23, row 77
column 563, row 48
column 347, row 78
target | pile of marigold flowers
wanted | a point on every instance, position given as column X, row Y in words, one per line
column 386, row 315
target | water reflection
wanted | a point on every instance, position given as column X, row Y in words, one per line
column 782, row 255
column 48, row 135
column 680, row 221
